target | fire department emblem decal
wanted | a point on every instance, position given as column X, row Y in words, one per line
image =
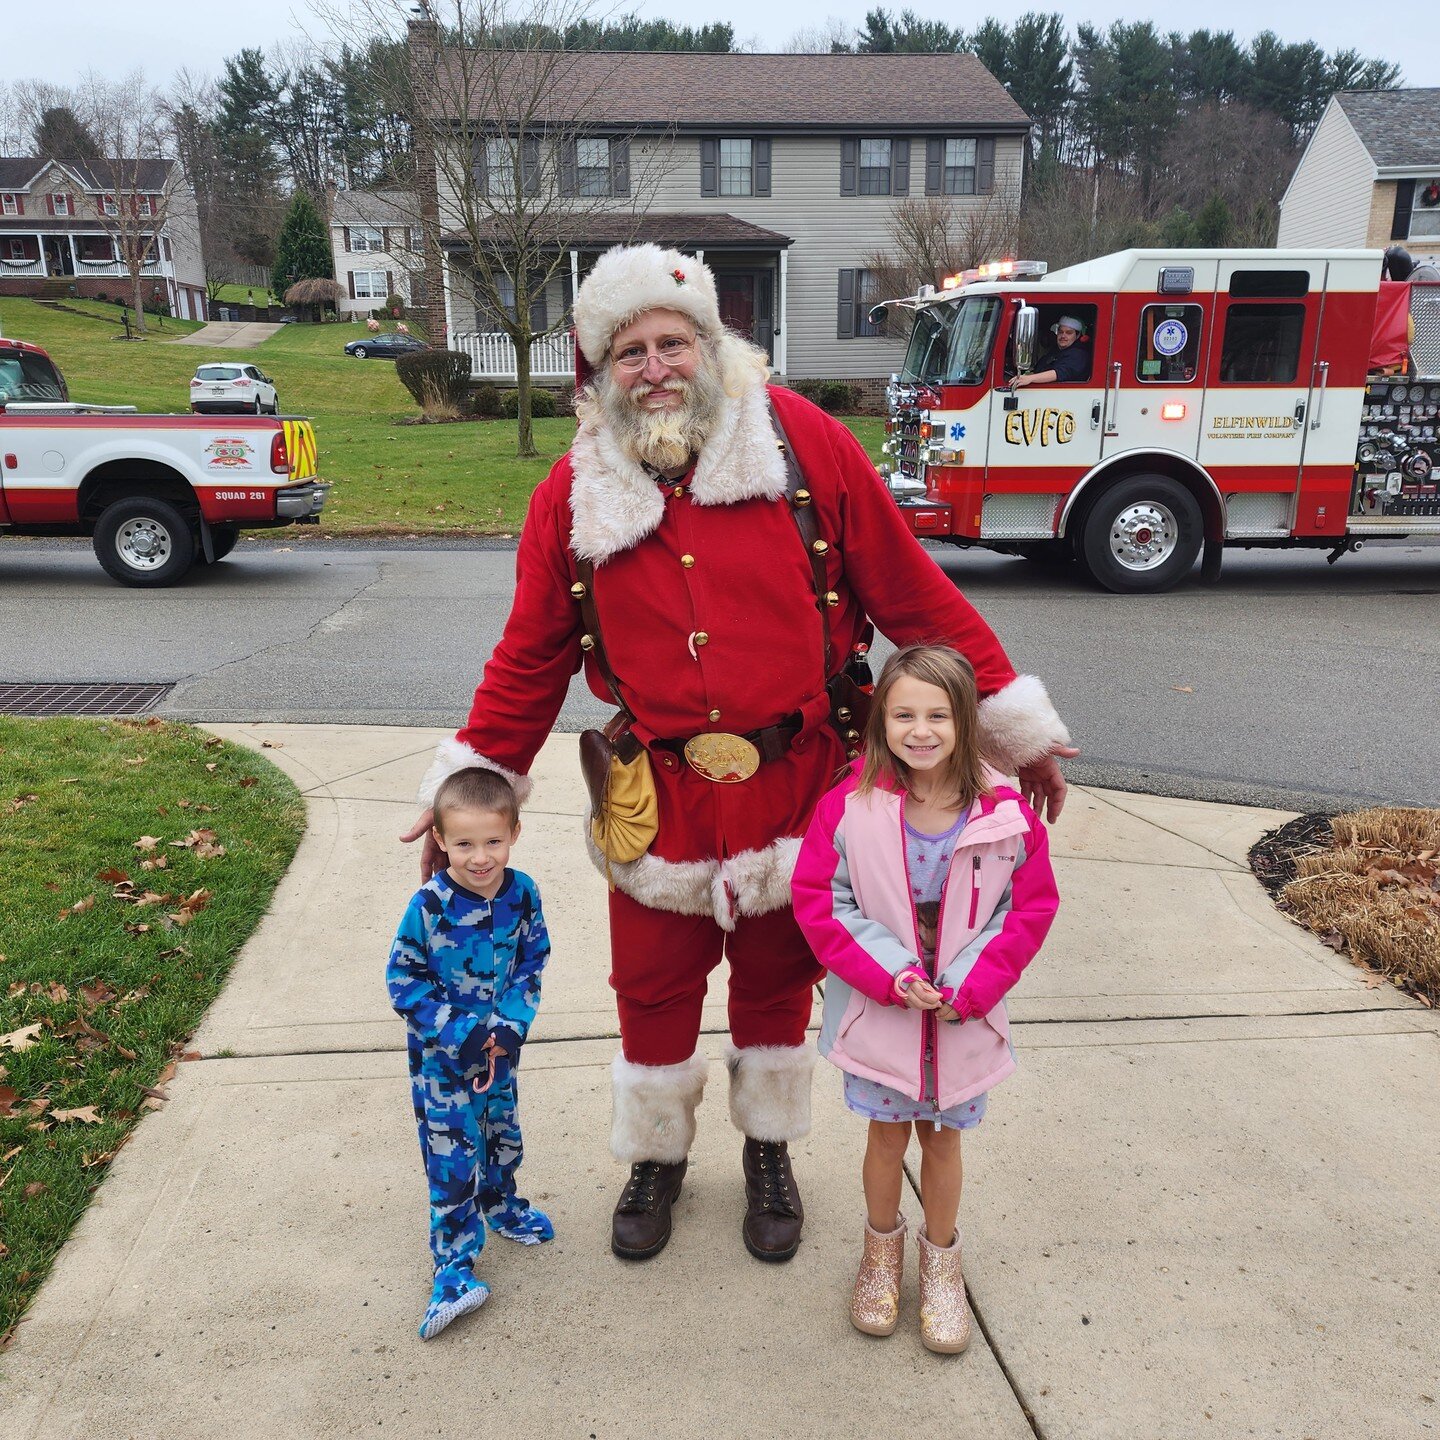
column 1170, row 337
column 229, row 452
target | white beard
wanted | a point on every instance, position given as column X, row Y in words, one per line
column 663, row 439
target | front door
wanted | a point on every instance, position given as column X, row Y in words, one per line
column 58, row 260
column 736, row 292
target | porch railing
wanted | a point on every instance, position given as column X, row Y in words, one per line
column 492, row 355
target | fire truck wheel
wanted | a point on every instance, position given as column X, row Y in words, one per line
column 144, row 542
column 1142, row 535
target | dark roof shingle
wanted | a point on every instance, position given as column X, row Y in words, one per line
column 1397, row 127
column 675, row 230
column 17, row 171
column 703, row 90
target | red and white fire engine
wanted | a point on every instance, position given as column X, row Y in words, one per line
column 1229, row 397
column 159, row 493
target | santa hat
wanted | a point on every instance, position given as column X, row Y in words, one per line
column 631, row 279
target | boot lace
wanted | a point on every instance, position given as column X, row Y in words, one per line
column 639, row 1193
column 773, row 1164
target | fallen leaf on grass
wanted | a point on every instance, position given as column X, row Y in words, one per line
column 20, row 802
column 136, row 760
column 214, row 743
column 56, row 992
column 85, row 1114
column 246, row 781
column 34, row 1188
column 160, row 862
column 18, row 988
column 9, row 1098
column 212, row 767
column 113, row 877
column 79, row 907
column 147, row 842
column 9, row 1155
column 22, row 1039
column 190, row 907
column 136, row 929
column 150, row 1103
column 98, row 993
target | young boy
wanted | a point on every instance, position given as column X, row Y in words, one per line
column 465, row 974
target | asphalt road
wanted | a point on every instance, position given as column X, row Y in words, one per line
column 1291, row 683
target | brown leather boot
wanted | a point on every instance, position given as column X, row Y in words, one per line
column 640, row 1226
column 773, row 1214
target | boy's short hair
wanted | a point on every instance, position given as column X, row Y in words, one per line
column 476, row 789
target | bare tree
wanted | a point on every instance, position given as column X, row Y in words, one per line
column 517, row 156
column 933, row 236
column 128, row 120
column 833, row 36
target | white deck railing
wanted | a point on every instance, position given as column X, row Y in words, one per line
column 492, row 355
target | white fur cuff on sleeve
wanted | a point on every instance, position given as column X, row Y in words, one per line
column 452, row 755
column 1018, row 724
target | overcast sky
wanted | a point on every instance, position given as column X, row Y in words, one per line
column 160, row 36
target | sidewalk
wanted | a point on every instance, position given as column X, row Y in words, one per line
column 1205, row 1205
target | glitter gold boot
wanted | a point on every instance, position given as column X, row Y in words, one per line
column 944, row 1315
column 875, row 1301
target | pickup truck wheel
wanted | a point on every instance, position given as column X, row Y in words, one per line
column 144, row 542
column 1142, row 535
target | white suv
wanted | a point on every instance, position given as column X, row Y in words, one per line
column 231, row 389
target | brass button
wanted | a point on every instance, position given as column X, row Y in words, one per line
column 820, row 548
column 701, row 638
column 688, row 561
column 587, row 642
column 832, row 598
column 678, row 491
column 714, row 715
column 802, row 497
column 578, row 590
column 843, row 714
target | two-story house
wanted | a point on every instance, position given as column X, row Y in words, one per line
column 785, row 172
column 377, row 249
column 57, row 223
column 1370, row 176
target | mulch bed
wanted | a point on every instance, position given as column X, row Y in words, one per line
column 1368, row 885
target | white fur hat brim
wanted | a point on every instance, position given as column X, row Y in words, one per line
column 631, row 279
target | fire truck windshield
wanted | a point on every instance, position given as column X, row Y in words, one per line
column 28, row 377
column 950, row 344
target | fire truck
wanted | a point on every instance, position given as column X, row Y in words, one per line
column 158, row 493
column 1273, row 398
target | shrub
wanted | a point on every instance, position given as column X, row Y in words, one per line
column 485, row 400
column 438, row 379
column 395, row 306
column 542, row 404
column 101, row 295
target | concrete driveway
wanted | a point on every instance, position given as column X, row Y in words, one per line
column 229, row 335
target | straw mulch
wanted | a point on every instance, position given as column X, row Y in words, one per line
column 1372, row 891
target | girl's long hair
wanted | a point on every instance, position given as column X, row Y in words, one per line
column 963, row 776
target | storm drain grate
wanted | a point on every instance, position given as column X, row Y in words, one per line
column 36, row 699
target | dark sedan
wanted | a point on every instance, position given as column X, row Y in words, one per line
column 384, row 347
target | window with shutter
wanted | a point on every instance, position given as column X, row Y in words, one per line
column 569, row 178
column 845, row 306
column 709, row 167
column 737, row 174
column 619, row 167
column 985, row 169
column 9, row 204
column 934, row 165
column 499, row 167
column 762, row 167
column 592, row 166
column 960, row 167
column 1404, row 204
column 849, row 166
column 529, row 165
column 875, row 162
column 900, row 167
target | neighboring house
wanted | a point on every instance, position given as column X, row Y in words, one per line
column 1370, row 175
column 784, row 172
column 54, row 240
column 375, row 240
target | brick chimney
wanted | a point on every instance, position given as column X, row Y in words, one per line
column 424, row 46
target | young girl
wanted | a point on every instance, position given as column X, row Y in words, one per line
column 924, row 887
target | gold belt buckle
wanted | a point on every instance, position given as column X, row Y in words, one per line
column 726, row 759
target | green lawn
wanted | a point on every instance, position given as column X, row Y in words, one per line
column 388, row 477
column 106, row 967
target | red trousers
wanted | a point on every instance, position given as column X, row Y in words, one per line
column 660, row 962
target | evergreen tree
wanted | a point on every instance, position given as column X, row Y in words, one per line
column 61, row 135
column 303, row 249
column 244, row 125
column 1214, row 225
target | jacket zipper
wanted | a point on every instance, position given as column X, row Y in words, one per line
column 974, row 888
column 929, row 1026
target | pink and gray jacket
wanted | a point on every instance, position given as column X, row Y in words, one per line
column 853, row 901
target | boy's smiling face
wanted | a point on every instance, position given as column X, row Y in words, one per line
column 477, row 845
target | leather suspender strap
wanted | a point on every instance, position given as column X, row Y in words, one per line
column 802, row 509
column 618, row 730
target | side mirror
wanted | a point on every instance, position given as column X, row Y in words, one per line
column 1026, row 323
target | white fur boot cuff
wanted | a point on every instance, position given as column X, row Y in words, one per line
column 654, row 1109
column 770, row 1090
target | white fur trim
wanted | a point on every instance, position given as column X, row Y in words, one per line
column 654, row 1109
column 454, row 754
column 1018, row 724
column 614, row 504
column 630, row 279
column 770, row 1090
column 759, row 878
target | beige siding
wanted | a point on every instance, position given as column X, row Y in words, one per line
column 182, row 227
column 1382, row 215
column 1329, row 201
column 830, row 232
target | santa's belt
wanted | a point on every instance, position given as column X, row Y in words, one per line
column 725, row 757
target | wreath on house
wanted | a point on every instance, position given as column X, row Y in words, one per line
column 1430, row 195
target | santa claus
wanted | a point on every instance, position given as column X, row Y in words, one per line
column 664, row 553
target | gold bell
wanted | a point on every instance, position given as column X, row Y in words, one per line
column 587, row 642
column 852, row 736
column 843, row 714
column 802, row 497
column 832, row 598
column 578, row 590
column 820, row 548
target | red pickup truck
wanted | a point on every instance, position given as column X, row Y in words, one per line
column 159, row 493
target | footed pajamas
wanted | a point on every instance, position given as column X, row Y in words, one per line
column 464, row 969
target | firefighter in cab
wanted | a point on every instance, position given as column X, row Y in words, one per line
column 1066, row 359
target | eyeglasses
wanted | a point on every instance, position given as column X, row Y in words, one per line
column 669, row 352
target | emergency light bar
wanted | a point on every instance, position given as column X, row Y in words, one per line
column 996, row 270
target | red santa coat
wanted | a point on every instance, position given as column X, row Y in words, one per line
column 709, row 617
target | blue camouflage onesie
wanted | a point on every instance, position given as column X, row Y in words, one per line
column 463, row 967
